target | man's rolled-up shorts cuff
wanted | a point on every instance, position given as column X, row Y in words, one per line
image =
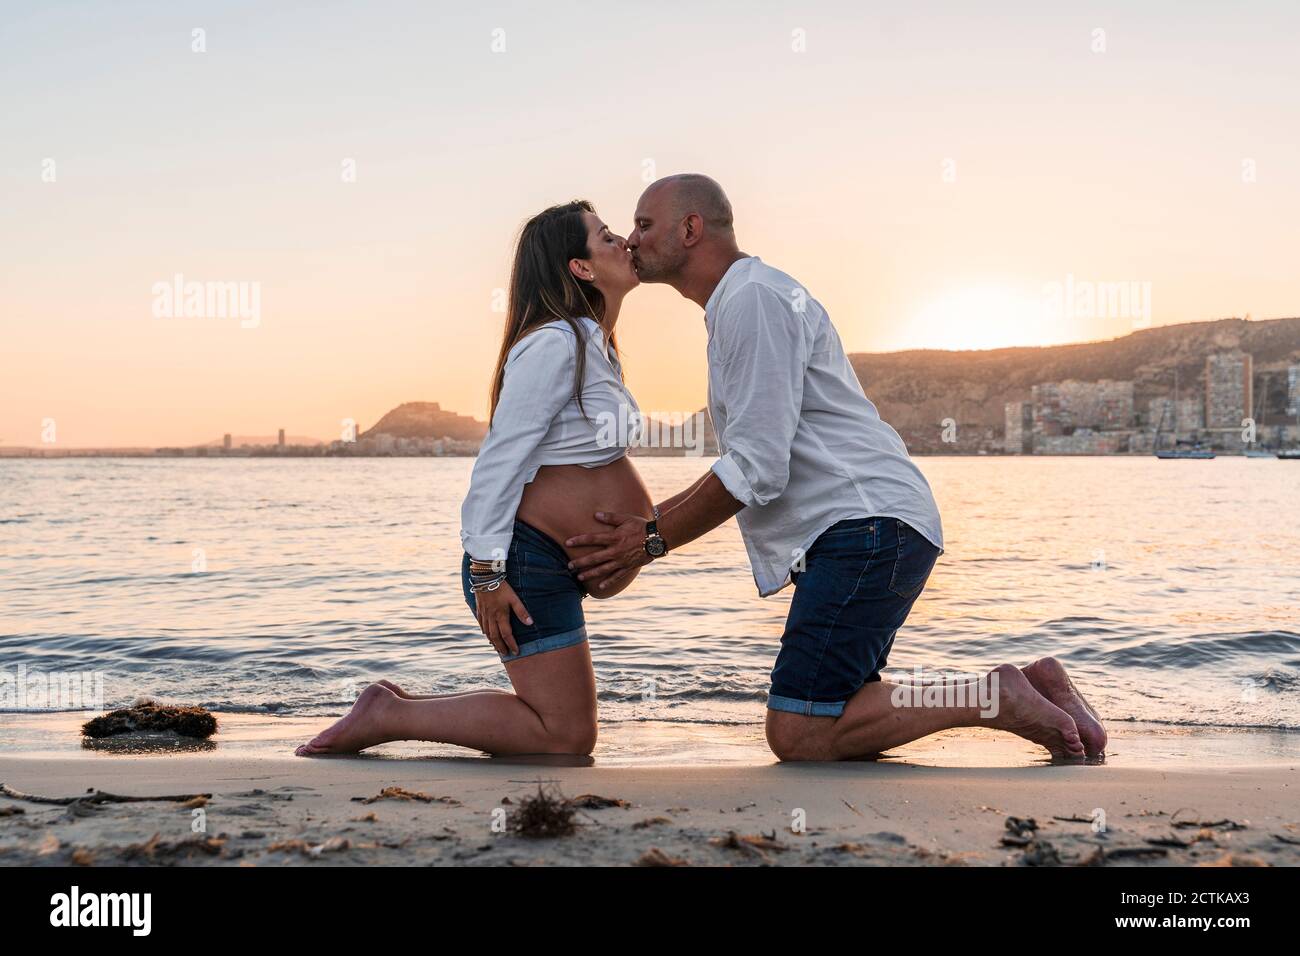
column 554, row 642
column 809, row 708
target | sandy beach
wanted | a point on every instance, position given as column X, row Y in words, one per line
column 963, row 799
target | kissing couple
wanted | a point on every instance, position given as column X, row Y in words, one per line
column 824, row 491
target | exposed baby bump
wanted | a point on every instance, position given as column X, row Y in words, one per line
column 562, row 502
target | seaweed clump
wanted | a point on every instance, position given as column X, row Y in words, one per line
column 151, row 717
column 545, row 814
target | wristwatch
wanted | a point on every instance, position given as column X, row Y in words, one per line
column 654, row 541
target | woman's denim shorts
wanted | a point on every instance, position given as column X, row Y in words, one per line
column 538, row 570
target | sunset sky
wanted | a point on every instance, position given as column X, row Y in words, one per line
column 926, row 170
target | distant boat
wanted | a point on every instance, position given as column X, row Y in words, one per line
column 1259, row 453
column 1184, row 453
column 1290, row 454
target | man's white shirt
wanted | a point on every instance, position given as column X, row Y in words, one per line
column 801, row 445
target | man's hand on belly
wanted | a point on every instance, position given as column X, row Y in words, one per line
column 622, row 551
column 706, row 505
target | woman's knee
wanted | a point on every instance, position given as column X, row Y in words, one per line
column 574, row 735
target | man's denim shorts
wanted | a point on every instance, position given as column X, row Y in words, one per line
column 859, row 581
column 538, row 570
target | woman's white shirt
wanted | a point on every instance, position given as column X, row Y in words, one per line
column 538, row 422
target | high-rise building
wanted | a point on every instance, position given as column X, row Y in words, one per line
column 225, row 442
column 281, row 443
column 1019, row 437
column 1293, row 390
column 1228, row 389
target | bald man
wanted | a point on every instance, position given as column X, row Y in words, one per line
column 826, row 497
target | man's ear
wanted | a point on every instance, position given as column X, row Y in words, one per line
column 692, row 229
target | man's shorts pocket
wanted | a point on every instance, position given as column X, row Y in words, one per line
column 915, row 561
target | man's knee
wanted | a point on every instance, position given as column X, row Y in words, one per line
column 797, row 737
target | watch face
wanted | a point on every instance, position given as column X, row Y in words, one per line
column 655, row 547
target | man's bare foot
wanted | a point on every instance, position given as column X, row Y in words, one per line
column 1051, row 680
column 363, row 726
column 1023, row 711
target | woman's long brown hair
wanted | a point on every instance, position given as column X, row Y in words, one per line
column 543, row 289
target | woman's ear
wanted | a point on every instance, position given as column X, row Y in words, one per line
column 581, row 269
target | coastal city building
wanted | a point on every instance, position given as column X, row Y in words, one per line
column 1293, row 391
column 1228, row 389
column 1081, row 418
column 1062, row 407
column 1019, row 434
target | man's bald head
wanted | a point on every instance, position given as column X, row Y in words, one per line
column 687, row 193
column 679, row 220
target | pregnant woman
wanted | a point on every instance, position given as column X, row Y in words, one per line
column 556, row 452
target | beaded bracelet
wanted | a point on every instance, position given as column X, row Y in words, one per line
column 489, row 584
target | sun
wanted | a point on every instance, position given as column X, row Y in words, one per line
column 983, row 317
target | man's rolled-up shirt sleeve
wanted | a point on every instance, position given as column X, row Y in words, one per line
column 762, row 356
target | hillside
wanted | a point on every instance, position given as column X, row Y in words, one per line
column 917, row 390
column 426, row 420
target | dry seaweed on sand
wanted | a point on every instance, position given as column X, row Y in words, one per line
column 1041, row 853
column 591, row 801
column 149, row 717
column 651, row 822
column 750, row 844
column 335, row 844
column 1020, row 831
column 155, row 848
column 401, row 793
column 657, row 857
column 544, row 814
column 1224, row 824
column 1136, row 853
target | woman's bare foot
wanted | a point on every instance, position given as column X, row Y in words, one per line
column 363, row 727
column 464, row 693
column 1025, row 712
column 1051, row 680
column 395, row 689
